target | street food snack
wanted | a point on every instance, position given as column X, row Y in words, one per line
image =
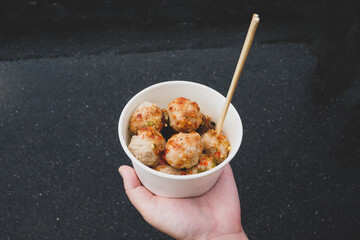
column 183, row 150
column 146, row 115
column 206, row 162
column 215, row 145
column 164, row 167
column 184, row 115
column 178, row 140
column 147, row 146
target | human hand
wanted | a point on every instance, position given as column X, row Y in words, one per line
column 213, row 215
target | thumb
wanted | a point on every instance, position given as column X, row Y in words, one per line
column 139, row 196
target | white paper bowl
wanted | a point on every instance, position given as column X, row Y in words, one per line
column 211, row 103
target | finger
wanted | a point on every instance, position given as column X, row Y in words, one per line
column 130, row 179
column 139, row 196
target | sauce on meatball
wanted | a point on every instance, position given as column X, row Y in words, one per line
column 183, row 150
column 146, row 115
column 147, row 146
column 184, row 115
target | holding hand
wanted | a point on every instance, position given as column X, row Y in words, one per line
column 214, row 215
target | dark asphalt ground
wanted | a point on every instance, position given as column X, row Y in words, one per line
column 61, row 95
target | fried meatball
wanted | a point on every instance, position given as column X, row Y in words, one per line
column 183, row 150
column 216, row 146
column 184, row 115
column 166, row 168
column 206, row 162
column 146, row 114
column 147, row 146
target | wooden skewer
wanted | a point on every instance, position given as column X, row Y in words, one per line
column 244, row 52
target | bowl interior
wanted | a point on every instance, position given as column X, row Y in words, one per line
column 209, row 101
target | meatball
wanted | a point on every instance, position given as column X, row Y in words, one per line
column 166, row 168
column 184, row 115
column 183, row 150
column 206, row 162
column 147, row 146
column 147, row 114
column 216, row 146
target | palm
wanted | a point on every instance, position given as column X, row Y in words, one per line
column 215, row 213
